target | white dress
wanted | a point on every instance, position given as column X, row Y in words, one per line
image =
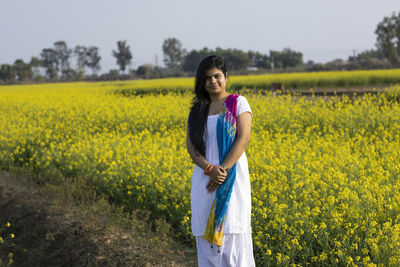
column 237, row 248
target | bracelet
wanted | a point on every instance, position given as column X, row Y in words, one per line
column 208, row 169
column 224, row 166
column 208, row 166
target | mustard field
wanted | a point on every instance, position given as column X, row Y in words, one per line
column 312, row 80
column 324, row 173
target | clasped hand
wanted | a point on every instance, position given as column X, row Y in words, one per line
column 217, row 177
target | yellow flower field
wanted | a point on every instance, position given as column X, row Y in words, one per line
column 324, row 174
column 313, row 80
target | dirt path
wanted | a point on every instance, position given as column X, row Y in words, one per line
column 50, row 235
column 54, row 233
column 11, row 197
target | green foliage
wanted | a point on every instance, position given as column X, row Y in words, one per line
column 173, row 53
column 286, row 59
column 259, row 60
column 50, row 62
column 192, row 59
column 87, row 57
column 93, row 59
column 235, row 59
column 388, row 38
column 239, row 60
column 393, row 94
column 7, row 73
column 23, row 70
column 123, row 55
column 144, row 71
column 63, row 54
column 323, row 172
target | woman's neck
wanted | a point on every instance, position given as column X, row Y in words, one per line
column 219, row 97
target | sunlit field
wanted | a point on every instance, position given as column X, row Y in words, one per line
column 324, row 173
column 313, row 80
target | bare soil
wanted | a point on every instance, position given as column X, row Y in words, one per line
column 54, row 232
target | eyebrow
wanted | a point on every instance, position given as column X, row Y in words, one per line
column 209, row 76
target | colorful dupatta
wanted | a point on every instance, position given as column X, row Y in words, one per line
column 226, row 133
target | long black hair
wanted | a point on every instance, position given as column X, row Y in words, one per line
column 201, row 102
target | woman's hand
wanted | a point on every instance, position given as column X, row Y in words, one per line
column 217, row 177
column 218, row 174
column 211, row 186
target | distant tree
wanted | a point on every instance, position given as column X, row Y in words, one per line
column 192, row 59
column 388, row 38
column 365, row 55
column 113, row 75
column 7, row 73
column 259, row 60
column 158, row 72
column 93, row 59
column 286, row 59
column 310, row 63
column 80, row 53
column 63, row 55
column 36, row 63
column 291, row 58
column 235, row 59
column 173, row 53
column 144, row 71
column 123, row 55
column 87, row 57
column 23, row 70
column 50, row 62
column 368, row 59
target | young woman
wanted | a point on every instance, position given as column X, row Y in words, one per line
column 218, row 132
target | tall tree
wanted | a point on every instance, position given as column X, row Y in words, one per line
column 80, row 53
column 123, row 55
column 63, row 55
column 396, row 20
column 50, row 62
column 173, row 53
column 36, row 63
column 388, row 38
column 93, row 59
column 385, row 32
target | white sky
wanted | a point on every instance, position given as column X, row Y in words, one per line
column 322, row 30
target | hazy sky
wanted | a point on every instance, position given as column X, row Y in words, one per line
column 321, row 30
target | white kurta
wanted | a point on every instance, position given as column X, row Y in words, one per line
column 237, row 220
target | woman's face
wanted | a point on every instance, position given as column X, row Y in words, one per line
column 215, row 81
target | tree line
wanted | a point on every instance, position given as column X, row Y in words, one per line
column 61, row 63
column 55, row 63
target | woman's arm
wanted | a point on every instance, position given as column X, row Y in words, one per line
column 242, row 139
column 218, row 174
column 197, row 158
